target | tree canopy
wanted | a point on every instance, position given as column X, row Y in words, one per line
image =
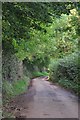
column 40, row 31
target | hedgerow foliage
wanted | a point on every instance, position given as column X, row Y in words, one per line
column 66, row 71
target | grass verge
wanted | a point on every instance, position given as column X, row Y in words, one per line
column 10, row 90
column 39, row 74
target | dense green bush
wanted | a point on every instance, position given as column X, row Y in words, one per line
column 65, row 71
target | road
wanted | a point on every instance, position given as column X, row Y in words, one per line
column 44, row 100
column 0, row 105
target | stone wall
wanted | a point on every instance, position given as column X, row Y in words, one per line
column 12, row 68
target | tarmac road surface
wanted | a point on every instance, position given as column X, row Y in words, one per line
column 46, row 100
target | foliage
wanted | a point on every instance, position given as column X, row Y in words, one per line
column 20, row 20
column 66, row 71
column 70, row 85
column 15, row 88
column 42, row 36
column 39, row 74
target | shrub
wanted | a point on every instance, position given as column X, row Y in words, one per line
column 69, row 85
column 53, row 70
column 65, row 71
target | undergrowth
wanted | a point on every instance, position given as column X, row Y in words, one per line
column 10, row 90
column 69, row 85
column 65, row 72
